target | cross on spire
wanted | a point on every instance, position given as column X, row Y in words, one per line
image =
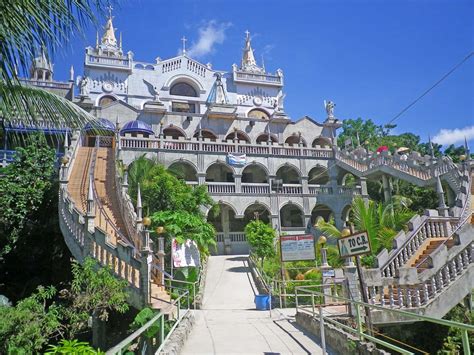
column 247, row 33
column 184, row 44
column 110, row 8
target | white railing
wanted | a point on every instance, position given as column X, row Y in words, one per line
column 171, row 65
column 430, row 227
column 256, row 189
column 221, row 147
column 414, row 296
column 197, row 68
column 221, row 187
column 258, row 77
column 122, row 62
column 320, row 189
column 237, row 237
column 292, row 189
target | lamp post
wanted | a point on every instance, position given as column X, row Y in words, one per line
column 345, row 232
column 146, row 260
column 161, row 250
column 324, row 259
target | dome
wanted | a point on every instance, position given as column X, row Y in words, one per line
column 100, row 124
column 137, row 127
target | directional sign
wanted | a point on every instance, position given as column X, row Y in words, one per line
column 355, row 244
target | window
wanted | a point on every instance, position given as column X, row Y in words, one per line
column 183, row 89
column 260, row 114
column 183, row 107
column 106, row 100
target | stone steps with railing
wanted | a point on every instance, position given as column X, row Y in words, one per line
column 91, row 206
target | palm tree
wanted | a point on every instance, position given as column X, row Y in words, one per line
column 28, row 29
column 381, row 221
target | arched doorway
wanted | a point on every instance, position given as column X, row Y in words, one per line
column 321, row 142
column 321, row 211
column 265, row 137
column 173, row 132
column 318, row 175
column 295, row 139
column 288, row 174
column 291, row 216
column 183, row 170
column 256, row 210
column 219, row 172
column 206, row 134
column 238, row 136
column 254, row 174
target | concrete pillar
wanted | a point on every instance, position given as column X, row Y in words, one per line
column 338, row 220
column 387, row 192
column 451, row 197
column 351, row 286
column 145, row 268
column 362, row 182
column 201, row 178
column 226, row 229
column 274, row 219
column 304, row 184
column 238, row 183
column 307, row 221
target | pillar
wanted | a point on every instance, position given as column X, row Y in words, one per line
column 364, row 193
column 145, row 268
column 201, row 178
column 387, row 192
column 304, row 184
column 225, row 229
column 238, row 183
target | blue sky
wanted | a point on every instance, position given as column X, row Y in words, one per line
column 370, row 57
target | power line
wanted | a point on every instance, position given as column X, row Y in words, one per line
column 432, row 87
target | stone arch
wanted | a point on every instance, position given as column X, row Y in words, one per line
column 295, row 139
column 174, row 131
column 289, row 174
column 291, row 215
column 321, row 210
column 349, row 180
column 139, row 66
column 219, row 172
column 323, row 142
column 186, row 79
column 257, row 206
column 346, row 213
column 258, row 113
column 263, row 138
column 255, row 173
column 241, row 136
column 106, row 99
column 318, row 175
column 206, row 133
column 149, row 67
column 184, row 170
column 225, row 219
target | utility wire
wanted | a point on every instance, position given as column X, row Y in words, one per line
column 432, row 87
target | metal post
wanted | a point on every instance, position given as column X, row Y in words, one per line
column 359, row 322
column 179, row 306
column 270, row 294
column 296, row 298
column 364, row 295
column 465, row 343
column 312, row 303
column 162, row 329
column 321, row 326
column 194, row 296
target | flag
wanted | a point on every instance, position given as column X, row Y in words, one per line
column 236, row 159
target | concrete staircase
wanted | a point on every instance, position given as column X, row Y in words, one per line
column 97, row 228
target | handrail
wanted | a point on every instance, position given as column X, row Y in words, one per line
column 303, row 291
column 99, row 203
column 117, row 349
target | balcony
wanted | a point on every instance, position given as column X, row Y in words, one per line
column 268, row 79
column 207, row 146
column 103, row 61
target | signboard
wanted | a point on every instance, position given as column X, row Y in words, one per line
column 297, row 247
column 355, row 244
column 184, row 255
column 329, row 273
column 236, row 159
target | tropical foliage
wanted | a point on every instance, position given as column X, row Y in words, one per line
column 381, row 221
column 41, row 318
column 261, row 237
column 172, row 204
column 23, row 186
column 73, row 347
column 29, row 29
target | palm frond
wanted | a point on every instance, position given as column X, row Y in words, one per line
column 28, row 27
column 328, row 228
column 33, row 106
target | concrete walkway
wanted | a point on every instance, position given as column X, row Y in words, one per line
column 229, row 323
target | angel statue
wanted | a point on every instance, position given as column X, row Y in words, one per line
column 279, row 101
column 329, row 105
column 82, row 83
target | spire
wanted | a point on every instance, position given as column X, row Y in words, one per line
column 97, row 39
column 71, row 73
column 139, row 197
column 430, row 144
column 66, row 142
column 466, row 146
column 120, row 41
column 248, row 59
column 109, row 35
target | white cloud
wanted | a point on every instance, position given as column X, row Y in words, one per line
column 210, row 34
column 453, row 136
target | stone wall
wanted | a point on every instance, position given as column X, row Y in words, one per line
column 337, row 340
column 177, row 339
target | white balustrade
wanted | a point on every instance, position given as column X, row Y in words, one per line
column 220, row 187
column 292, row 189
column 255, row 188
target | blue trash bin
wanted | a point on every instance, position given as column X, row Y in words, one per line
column 262, row 302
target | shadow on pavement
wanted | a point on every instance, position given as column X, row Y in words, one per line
column 238, row 258
column 239, row 269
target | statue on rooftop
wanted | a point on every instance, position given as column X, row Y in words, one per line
column 329, row 105
column 278, row 105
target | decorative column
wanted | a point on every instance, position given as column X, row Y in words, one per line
column 324, row 267
column 201, row 178
column 89, row 219
column 442, row 209
column 363, row 188
column 304, row 184
column 387, row 192
column 145, row 265
column 125, row 180
column 139, row 208
column 238, row 183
